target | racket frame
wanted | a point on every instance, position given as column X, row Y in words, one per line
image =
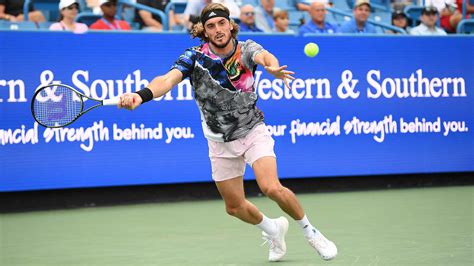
column 80, row 96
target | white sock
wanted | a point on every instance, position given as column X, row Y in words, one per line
column 308, row 229
column 268, row 225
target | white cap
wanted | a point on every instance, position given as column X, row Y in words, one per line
column 362, row 2
column 66, row 3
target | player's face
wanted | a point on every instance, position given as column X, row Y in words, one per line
column 218, row 31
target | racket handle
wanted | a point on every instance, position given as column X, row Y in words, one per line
column 113, row 101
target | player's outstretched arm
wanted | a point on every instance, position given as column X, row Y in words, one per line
column 270, row 62
column 159, row 86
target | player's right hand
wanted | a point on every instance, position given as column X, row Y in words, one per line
column 129, row 101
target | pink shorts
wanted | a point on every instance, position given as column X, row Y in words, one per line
column 228, row 158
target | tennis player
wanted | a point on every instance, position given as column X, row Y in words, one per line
column 222, row 74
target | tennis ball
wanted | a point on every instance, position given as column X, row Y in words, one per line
column 311, row 49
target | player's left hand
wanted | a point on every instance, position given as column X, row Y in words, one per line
column 281, row 73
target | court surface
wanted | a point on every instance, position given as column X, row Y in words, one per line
column 427, row 226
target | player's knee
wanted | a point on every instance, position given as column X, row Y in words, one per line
column 273, row 191
column 233, row 209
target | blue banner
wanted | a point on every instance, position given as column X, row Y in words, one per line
column 363, row 106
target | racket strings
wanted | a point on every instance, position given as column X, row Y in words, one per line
column 56, row 106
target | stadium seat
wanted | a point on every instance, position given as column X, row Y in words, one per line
column 341, row 4
column 414, row 14
column 251, row 2
column 296, row 18
column 292, row 3
column 87, row 18
column 83, row 6
column 178, row 7
column 25, row 25
column 466, row 26
column 44, row 25
column 382, row 16
column 283, row 4
column 50, row 8
column 350, row 3
column 128, row 3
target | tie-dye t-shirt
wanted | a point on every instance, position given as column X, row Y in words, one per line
column 223, row 89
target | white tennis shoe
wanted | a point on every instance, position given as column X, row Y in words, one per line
column 326, row 248
column 277, row 242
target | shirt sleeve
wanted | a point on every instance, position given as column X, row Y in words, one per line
column 185, row 63
column 249, row 50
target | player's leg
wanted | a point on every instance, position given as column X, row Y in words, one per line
column 228, row 168
column 265, row 169
column 262, row 158
column 232, row 191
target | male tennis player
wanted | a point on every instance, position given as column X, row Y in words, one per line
column 221, row 72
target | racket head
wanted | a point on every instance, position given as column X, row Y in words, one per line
column 56, row 105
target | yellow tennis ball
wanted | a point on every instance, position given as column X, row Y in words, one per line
column 311, row 49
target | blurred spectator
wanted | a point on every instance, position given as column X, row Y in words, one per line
column 469, row 7
column 318, row 23
column 399, row 19
column 247, row 19
column 439, row 4
column 264, row 15
column 399, row 5
column 281, row 20
column 303, row 5
column 12, row 10
column 231, row 5
column 68, row 10
column 194, row 7
column 94, row 5
column 429, row 16
column 147, row 20
column 359, row 24
column 451, row 15
column 191, row 13
column 108, row 21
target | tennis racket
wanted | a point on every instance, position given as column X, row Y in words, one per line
column 59, row 105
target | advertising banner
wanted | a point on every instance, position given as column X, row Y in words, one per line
column 362, row 106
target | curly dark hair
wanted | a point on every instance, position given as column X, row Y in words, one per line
column 198, row 28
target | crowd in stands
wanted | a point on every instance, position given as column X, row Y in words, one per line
column 438, row 17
